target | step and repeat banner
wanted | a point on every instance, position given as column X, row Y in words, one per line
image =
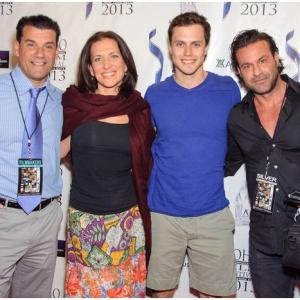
column 144, row 27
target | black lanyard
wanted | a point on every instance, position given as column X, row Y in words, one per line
column 37, row 125
column 272, row 148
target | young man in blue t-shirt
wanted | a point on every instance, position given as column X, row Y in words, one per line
column 188, row 206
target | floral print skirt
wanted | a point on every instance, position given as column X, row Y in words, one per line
column 105, row 255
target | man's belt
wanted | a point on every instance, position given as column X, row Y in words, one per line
column 14, row 204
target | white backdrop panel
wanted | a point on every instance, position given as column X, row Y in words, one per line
column 135, row 22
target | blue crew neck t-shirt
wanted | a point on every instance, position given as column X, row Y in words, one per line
column 187, row 178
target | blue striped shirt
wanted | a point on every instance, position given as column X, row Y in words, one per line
column 12, row 129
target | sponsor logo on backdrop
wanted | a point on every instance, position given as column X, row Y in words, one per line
column 61, row 248
column 226, row 9
column 293, row 54
column 242, row 206
column 185, row 263
column 56, row 293
column 187, row 6
column 244, row 283
column 158, row 54
column 110, row 8
column 223, row 63
column 88, row 9
column 4, row 59
column 59, row 70
column 6, row 8
column 191, row 6
column 259, row 8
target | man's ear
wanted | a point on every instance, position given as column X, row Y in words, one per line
column 206, row 50
column 170, row 49
column 16, row 48
column 276, row 57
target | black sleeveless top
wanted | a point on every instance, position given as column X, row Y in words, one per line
column 102, row 178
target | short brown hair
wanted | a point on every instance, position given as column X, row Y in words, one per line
column 190, row 18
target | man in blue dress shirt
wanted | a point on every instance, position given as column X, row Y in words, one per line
column 29, row 239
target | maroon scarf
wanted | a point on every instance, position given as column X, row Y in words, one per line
column 80, row 108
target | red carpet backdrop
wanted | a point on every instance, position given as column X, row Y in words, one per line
column 144, row 27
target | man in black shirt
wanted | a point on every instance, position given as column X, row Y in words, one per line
column 264, row 133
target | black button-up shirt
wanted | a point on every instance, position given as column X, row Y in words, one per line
column 249, row 143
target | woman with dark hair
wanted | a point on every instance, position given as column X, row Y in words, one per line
column 107, row 135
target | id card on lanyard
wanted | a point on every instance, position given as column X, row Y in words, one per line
column 30, row 170
column 30, row 177
column 265, row 193
column 264, row 197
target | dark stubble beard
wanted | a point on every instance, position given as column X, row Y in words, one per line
column 273, row 85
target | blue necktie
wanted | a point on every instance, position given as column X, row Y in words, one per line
column 32, row 145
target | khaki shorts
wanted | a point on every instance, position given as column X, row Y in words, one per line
column 208, row 242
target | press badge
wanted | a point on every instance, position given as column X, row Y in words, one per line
column 30, row 176
column 265, row 192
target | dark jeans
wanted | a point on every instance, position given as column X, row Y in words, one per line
column 269, row 278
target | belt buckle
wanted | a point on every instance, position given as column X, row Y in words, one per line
column 39, row 206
